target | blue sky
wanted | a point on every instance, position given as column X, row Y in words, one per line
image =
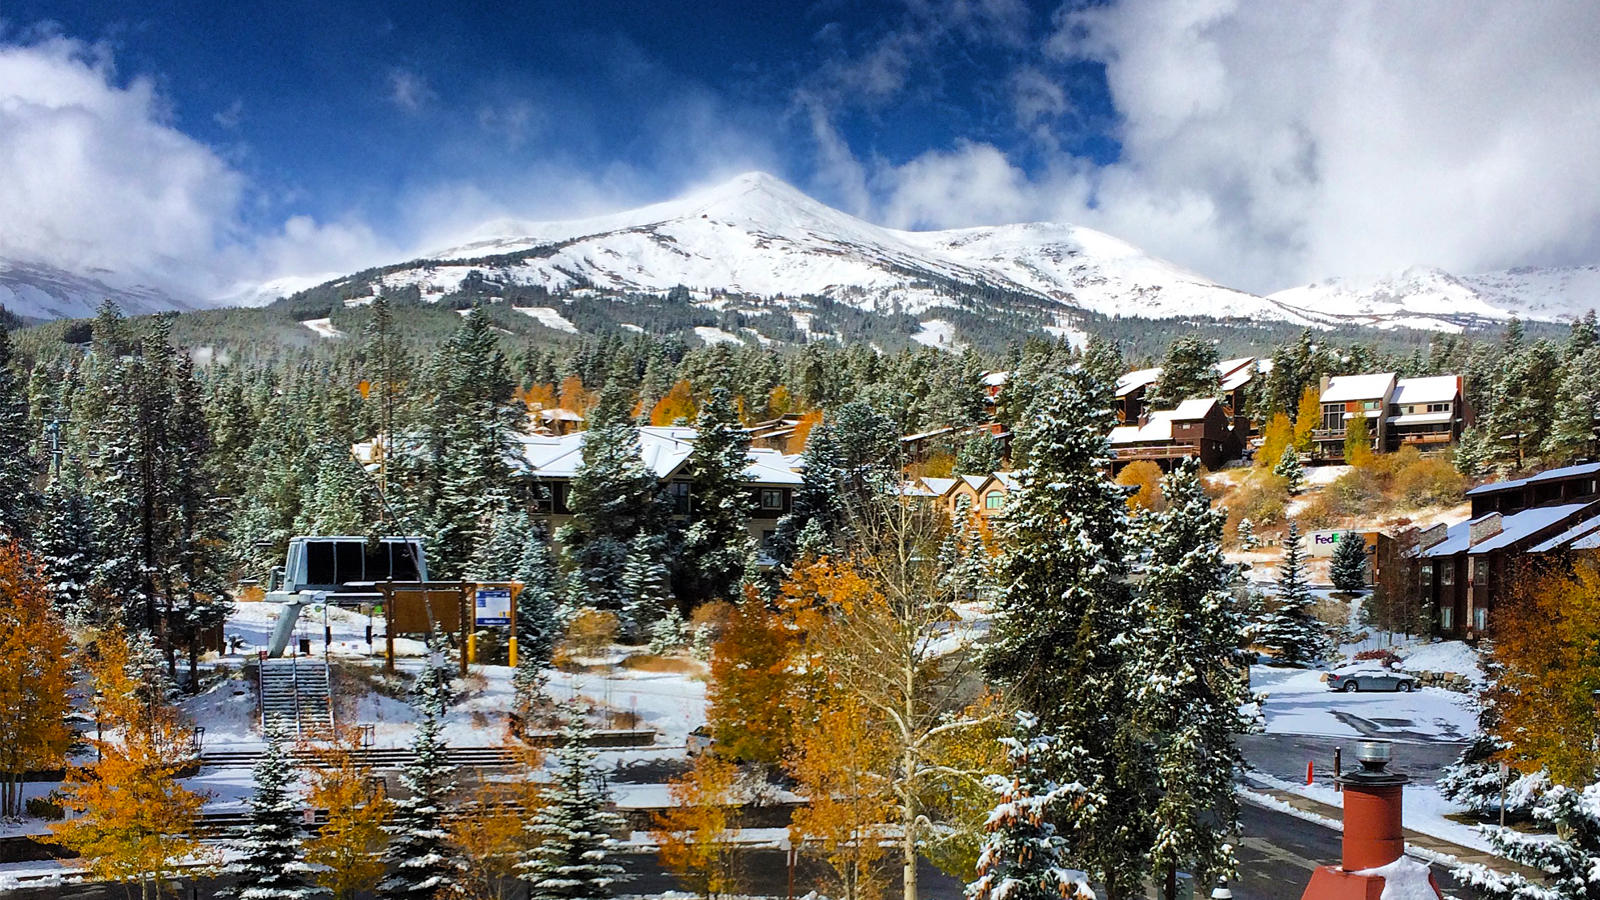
column 1262, row 144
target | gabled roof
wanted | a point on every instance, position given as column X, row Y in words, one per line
column 1576, row 471
column 1190, row 410
column 1435, row 389
column 1587, row 526
column 1132, row 381
column 664, row 450
column 1514, row 527
column 939, row 486
column 1008, row 480
column 1157, row 428
column 1346, row 388
column 996, row 379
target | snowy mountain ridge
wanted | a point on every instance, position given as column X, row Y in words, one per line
column 756, row 236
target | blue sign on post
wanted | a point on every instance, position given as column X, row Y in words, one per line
column 493, row 606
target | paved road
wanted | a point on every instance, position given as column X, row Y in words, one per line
column 1285, row 755
column 1277, row 853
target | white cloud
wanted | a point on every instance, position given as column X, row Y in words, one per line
column 409, row 90
column 1270, row 144
column 99, row 181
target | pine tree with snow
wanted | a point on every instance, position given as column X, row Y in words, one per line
column 717, row 541
column 1290, row 630
column 1188, row 656
column 66, row 543
column 668, row 633
column 499, row 557
column 1289, row 469
column 614, row 498
column 539, row 603
column 817, row 516
column 1063, row 620
column 646, row 584
column 979, row 455
column 339, row 497
column 1568, row 863
column 270, row 864
column 1472, row 453
column 1349, row 568
column 421, row 863
column 1246, row 532
column 18, row 464
column 1022, row 856
column 571, row 835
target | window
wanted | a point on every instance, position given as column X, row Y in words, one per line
column 1447, row 617
column 1370, row 405
column 348, row 557
column 679, row 490
column 1447, row 573
column 994, row 500
column 1332, row 417
column 319, row 563
column 1438, row 407
column 1480, row 618
column 771, row 498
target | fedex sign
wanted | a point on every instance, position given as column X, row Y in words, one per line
column 1324, row 542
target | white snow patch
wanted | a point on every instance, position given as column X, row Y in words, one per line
column 323, row 327
column 715, row 335
column 1404, row 879
column 549, row 318
column 629, row 326
column 1299, row 702
column 938, row 334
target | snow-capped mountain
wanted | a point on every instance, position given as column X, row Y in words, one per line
column 1434, row 299
column 756, row 235
column 39, row 291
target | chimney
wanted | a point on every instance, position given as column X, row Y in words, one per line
column 1432, row 537
column 1484, row 527
column 1374, row 845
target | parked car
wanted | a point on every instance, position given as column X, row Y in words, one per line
column 1369, row 678
column 700, row 741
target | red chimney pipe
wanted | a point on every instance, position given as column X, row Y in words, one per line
column 1373, row 837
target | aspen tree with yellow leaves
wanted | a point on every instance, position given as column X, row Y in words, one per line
column 35, row 677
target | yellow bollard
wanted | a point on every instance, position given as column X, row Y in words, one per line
column 511, row 650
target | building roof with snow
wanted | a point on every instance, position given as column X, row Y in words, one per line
column 1434, row 389
column 664, row 450
column 1140, row 378
column 1351, row 388
column 1514, row 527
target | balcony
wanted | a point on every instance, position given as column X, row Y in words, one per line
column 1163, row 451
column 1423, row 438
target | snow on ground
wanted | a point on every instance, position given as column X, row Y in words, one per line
column 548, row 317
column 671, row 703
column 1298, row 702
column 1443, row 656
column 709, row 336
column 1320, row 475
column 1424, row 809
column 938, row 334
column 632, row 327
column 323, row 327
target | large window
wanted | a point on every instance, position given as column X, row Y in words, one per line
column 771, row 499
column 1447, row 617
column 994, row 500
column 679, row 490
column 1332, row 417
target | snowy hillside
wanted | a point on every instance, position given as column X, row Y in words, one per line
column 1432, row 298
column 757, row 235
column 44, row 292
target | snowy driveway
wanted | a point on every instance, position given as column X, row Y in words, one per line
column 1299, row 703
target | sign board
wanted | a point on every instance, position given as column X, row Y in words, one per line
column 493, row 606
column 1322, row 543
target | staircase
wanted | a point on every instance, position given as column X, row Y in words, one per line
column 293, row 695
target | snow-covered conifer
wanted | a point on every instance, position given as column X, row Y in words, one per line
column 1063, row 623
column 1187, row 688
column 817, row 514
column 717, row 541
column 271, row 860
column 1289, row 469
column 421, row 863
column 1290, row 630
column 1248, row 539
column 668, row 633
column 1349, row 569
column 572, row 833
column 1022, row 856
column 646, row 584
column 18, row 463
column 66, row 543
column 499, row 557
column 1569, row 862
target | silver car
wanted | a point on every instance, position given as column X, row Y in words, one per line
column 1369, row 678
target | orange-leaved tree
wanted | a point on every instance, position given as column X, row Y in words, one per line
column 1545, row 645
column 694, row 832
column 748, row 698
column 574, row 396
column 840, row 759
column 1276, row 436
column 134, row 822
column 677, row 407
column 1145, row 477
column 489, row 832
column 348, row 848
column 35, row 677
column 1307, row 419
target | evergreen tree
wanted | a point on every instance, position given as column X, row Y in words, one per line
column 538, row 606
column 1471, row 455
column 1188, row 693
column 1189, row 371
column 979, row 455
column 338, row 498
column 1063, row 622
column 571, row 834
column 499, row 557
column 192, row 532
column 421, row 863
column 18, row 499
column 66, row 543
column 818, row 515
column 668, row 633
column 1022, row 856
column 1246, row 531
column 1288, row 468
column 614, row 498
column 646, row 588
column 1567, row 864
column 1291, row 630
column 271, row 862
column 717, row 541
column 1577, row 408
column 1349, row 568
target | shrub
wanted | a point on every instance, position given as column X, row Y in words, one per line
column 1261, row 499
column 45, row 808
column 1146, row 477
column 1387, row 657
column 1429, row 480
